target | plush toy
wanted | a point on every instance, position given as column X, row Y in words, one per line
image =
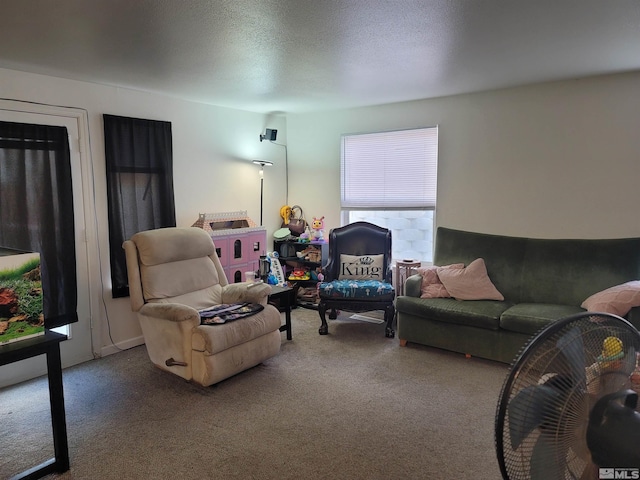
column 306, row 236
column 285, row 213
column 317, row 228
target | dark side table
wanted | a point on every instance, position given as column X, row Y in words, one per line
column 48, row 344
column 284, row 298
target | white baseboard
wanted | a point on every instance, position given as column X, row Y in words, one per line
column 118, row 347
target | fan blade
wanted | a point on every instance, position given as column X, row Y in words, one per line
column 548, row 462
column 527, row 410
column 572, row 349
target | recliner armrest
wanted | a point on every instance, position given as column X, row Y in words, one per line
column 173, row 312
column 246, row 292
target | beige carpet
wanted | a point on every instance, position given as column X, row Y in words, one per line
column 349, row 405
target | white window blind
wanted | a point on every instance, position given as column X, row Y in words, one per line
column 395, row 169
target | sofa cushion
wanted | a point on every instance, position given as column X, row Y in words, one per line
column 470, row 283
column 431, row 286
column 530, row 318
column 169, row 281
column 361, row 289
column 617, row 300
column 552, row 271
column 503, row 256
column 568, row 271
column 476, row 313
column 214, row 339
column 166, row 245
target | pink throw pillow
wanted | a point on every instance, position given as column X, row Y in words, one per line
column 431, row 286
column 471, row 283
column 617, row 300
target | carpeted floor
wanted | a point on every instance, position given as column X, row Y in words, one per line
column 350, row 405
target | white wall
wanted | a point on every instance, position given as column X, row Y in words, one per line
column 550, row 160
column 212, row 149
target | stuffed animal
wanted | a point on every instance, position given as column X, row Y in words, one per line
column 285, row 213
column 306, row 236
column 317, row 228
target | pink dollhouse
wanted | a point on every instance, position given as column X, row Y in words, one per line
column 239, row 242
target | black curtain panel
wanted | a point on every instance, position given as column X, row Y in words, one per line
column 36, row 210
column 139, row 160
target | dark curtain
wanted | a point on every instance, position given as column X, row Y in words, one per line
column 139, row 159
column 36, row 210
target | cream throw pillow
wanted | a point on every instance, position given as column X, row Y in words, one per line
column 617, row 300
column 361, row 267
column 471, row 283
column 431, row 286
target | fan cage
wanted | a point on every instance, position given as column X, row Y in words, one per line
column 568, row 353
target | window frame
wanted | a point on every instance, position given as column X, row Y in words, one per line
column 392, row 152
column 428, row 204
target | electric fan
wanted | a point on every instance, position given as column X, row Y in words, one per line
column 567, row 409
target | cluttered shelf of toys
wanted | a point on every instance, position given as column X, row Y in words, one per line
column 302, row 252
column 302, row 261
column 300, row 245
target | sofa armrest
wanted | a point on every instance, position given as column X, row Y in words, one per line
column 246, row 292
column 413, row 285
column 172, row 312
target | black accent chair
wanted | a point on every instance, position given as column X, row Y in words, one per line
column 361, row 239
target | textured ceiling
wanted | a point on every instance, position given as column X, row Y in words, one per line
column 307, row 55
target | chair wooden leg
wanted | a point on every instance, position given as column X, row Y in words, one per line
column 390, row 313
column 324, row 328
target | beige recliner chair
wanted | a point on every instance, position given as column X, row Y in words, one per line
column 173, row 273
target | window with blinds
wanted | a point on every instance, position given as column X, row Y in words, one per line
column 390, row 170
column 390, row 179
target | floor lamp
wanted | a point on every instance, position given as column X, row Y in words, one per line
column 262, row 164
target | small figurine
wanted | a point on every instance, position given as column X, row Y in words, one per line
column 316, row 275
column 612, row 354
column 306, row 236
column 317, row 228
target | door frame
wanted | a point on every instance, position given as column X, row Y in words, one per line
column 89, row 235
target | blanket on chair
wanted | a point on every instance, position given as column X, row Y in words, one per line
column 227, row 312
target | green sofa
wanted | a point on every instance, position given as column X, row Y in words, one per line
column 542, row 280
